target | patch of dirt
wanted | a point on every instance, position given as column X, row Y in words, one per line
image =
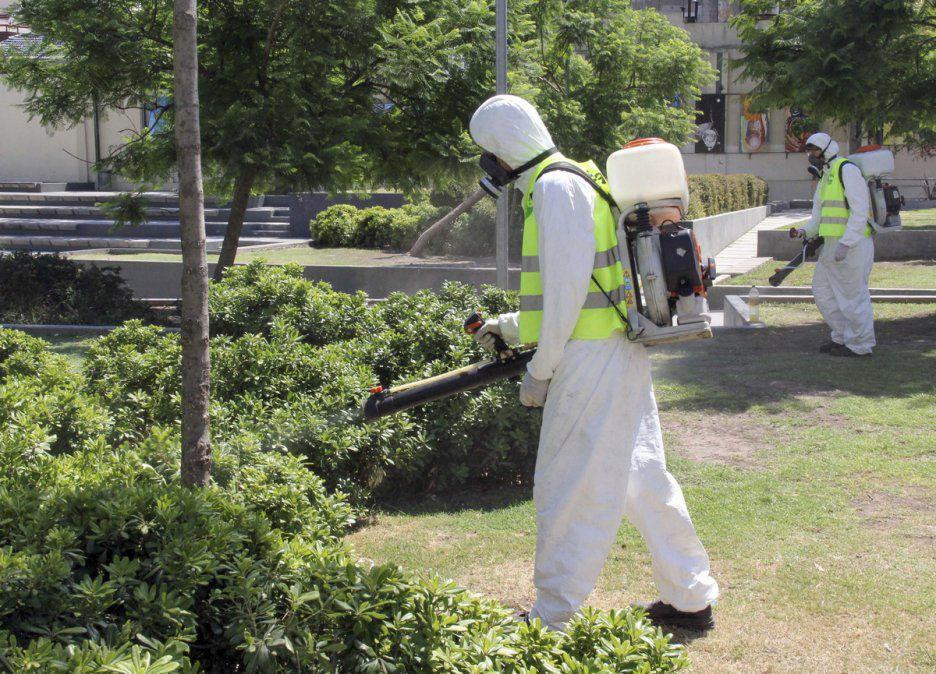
column 886, row 512
column 728, row 439
column 510, row 582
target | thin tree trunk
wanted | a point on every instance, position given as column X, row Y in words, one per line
column 235, row 224
column 418, row 248
column 196, row 365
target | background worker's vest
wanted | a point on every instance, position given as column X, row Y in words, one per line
column 598, row 318
column 834, row 213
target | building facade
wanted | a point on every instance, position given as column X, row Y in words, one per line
column 30, row 152
column 733, row 140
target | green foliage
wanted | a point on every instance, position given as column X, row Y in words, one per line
column 109, row 564
column 250, row 298
column 127, row 209
column 606, row 74
column 866, row 62
column 42, row 406
column 335, row 226
column 39, row 288
column 371, row 93
column 714, row 193
column 375, row 227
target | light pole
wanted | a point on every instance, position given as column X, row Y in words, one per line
column 503, row 202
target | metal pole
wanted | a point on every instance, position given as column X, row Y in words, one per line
column 503, row 203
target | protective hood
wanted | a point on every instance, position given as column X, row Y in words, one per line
column 510, row 128
column 824, row 142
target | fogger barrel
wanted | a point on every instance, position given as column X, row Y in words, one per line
column 406, row 396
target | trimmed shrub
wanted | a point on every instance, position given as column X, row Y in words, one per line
column 714, row 193
column 374, row 227
column 335, row 226
column 39, row 288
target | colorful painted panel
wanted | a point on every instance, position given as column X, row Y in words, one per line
column 753, row 128
column 710, row 132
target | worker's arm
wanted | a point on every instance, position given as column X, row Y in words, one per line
column 859, row 204
column 563, row 205
column 812, row 226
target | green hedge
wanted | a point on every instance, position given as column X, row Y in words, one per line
column 40, row 288
column 472, row 234
column 113, row 566
column 375, row 227
column 714, row 193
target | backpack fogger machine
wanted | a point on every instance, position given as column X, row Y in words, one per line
column 657, row 250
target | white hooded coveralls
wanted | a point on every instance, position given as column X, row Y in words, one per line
column 600, row 453
column 840, row 289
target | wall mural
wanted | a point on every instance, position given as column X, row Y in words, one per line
column 710, row 121
column 753, row 128
column 798, row 128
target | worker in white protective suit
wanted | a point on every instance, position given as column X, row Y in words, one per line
column 600, row 453
column 841, row 214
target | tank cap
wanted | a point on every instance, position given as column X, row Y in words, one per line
column 377, row 389
column 637, row 142
column 867, row 148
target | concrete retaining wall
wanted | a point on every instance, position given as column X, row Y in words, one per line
column 163, row 279
column 717, row 232
column 906, row 245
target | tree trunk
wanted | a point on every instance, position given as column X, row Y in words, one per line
column 235, row 224
column 437, row 228
column 196, row 365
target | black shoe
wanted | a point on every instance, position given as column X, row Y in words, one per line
column 827, row 347
column 843, row 351
column 664, row 615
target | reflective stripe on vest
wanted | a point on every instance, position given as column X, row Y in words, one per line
column 834, row 210
column 597, row 319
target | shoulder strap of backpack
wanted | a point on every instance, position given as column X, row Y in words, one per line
column 572, row 168
column 841, row 167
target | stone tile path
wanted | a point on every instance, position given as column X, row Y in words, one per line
column 741, row 256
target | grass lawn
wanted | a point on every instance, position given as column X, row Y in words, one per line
column 359, row 257
column 924, row 218
column 810, row 480
column 74, row 348
column 909, row 274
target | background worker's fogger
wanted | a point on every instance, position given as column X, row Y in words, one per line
column 656, row 248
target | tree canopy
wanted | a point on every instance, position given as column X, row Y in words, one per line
column 866, row 62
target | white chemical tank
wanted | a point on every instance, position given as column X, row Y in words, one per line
column 647, row 170
column 874, row 161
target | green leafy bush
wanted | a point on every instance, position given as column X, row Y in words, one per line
column 250, row 298
column 39, row 288
column 113, row 566
column 335, row 226
column 374, row 227
column 42, row 405
column 714, row 193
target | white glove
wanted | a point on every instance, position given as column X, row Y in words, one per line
column 841, row 250
column 485, row 334
column 533, row 391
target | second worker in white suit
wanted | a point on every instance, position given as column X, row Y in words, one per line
column 600, row 453
column 841, row 214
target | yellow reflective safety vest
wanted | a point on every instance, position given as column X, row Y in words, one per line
column 834, row 207
column 598, row 318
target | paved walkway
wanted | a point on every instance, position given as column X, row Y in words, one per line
column 741, row 256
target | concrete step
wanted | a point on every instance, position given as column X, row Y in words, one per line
column 260, row 214
column 86, row 198
column 36, row 187
column 70, row 243
column 153, row 228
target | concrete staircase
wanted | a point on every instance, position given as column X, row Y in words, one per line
column 32, row 218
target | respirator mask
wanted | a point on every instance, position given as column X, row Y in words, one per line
column 818, row 162
column 498, row 177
